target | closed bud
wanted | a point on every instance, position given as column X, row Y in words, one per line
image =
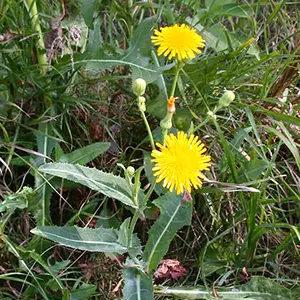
column 226, row 99
column 129, row 3
column 212, row 115
column 142, row 103
column 139, row 87
column 166, row 122
column 130, row 171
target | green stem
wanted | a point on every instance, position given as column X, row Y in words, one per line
column 148, row 130
column 40, row 45
column 151, row 189
column 133, row 223
column 35, row 23
column 200, row 125
column 175, row 81
column 165, row 130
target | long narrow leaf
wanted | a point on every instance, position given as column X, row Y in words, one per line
column 88, row 239
column 174, row 213
column 86, row 154
column 138, row 286
column 106, row 183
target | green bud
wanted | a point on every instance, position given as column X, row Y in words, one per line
column 141, row 103
column 129, row 3
column 226, row 99
column 130, row 171
column 166, row 122
column 139, row 87
column 212, row 115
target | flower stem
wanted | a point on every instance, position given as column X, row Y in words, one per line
column 175, row 81
column 40, row 45
column 148, row 130
column 35, row 23
column 165, row 130
column 133, row 223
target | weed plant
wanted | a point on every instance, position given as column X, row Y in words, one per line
column 81, row 213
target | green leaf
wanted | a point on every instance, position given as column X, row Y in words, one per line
column 45, row 145
column 138, row 286
column 136, row 56
column 259, row 288
column 94, row 37
column 288, row 140
column 174, row 213
column 85, row 291
column 232, row 9
column 18, row 200
column 107, row 218
column 86, row 154
column 132, row 243
column 87, row 239
column 252, row 170
column 106, row 183
column 88, row 8
column 59, row 266
column 276, row 115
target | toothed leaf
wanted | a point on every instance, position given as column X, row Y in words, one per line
column 106, row 183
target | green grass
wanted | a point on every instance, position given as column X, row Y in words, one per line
column 236, row 232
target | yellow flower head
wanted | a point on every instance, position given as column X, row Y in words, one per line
column 178, row 41
column 180, row 161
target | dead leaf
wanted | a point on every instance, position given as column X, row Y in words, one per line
column 170, row 268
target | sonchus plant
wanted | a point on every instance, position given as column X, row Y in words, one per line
column 178, row 162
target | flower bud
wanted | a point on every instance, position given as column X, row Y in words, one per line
column 171, row 105
column 130, row 171
column 141, row 103
column 129, row 3
column 166, row 122
column 139, row 87
column 226, row 99
column 212, row 115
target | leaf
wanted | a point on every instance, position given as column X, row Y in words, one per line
column 174, row 213
column 107, row 218
column 136, row 56
column 259, row 288
column 287, row 140
column 94, row 36
column 88, row 8
column 132, row 244
column 276, row 115
column 87, row 239
column 219, row 38
column 59, row 266
column 252, row 170
column 45, row 145
column 106, row 183
column 85, row 291
column 18, row 200
column 232, row 9
column 138, row 286
column 86, row 154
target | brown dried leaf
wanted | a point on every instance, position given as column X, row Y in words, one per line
column 170, row 268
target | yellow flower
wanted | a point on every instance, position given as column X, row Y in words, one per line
column 178, row 41
column 180, row 161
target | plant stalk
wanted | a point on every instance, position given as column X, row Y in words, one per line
column 148, row 130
